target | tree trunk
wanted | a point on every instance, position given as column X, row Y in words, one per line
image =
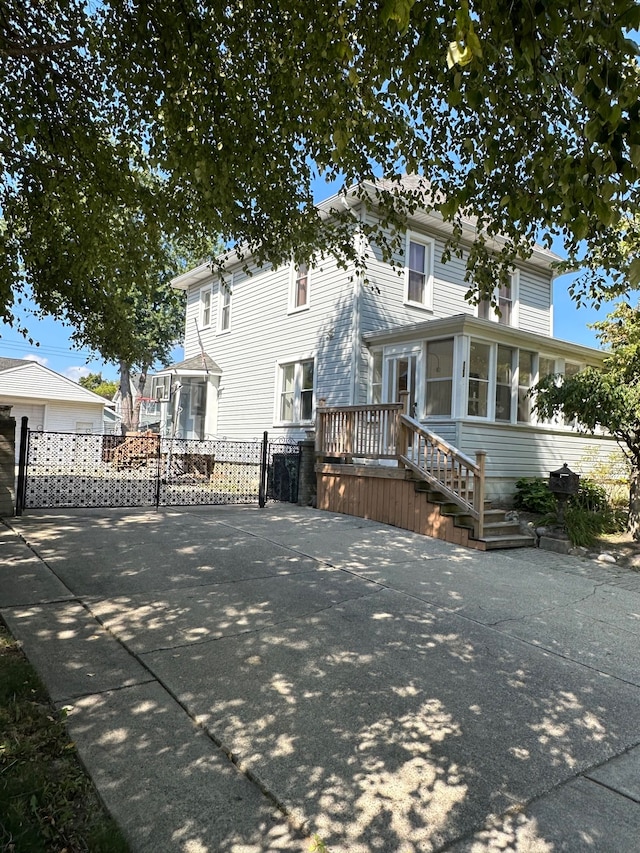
column 126, row 399
column 142, row 381
column 634, row 501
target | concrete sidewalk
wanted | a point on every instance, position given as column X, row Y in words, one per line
column 241, row 679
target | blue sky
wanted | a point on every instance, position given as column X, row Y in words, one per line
column 56, row 352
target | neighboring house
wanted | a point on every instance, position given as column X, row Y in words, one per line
column 149, row 405
column 50, row 401
column 262, row 350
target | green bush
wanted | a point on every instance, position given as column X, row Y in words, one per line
column 590, row 497
column 588, row 513
column 534, row 495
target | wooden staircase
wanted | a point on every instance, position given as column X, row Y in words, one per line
column 498, row 533
column 452, row 482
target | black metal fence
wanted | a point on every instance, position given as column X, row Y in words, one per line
column 80, row 470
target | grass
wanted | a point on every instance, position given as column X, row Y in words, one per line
column 47, row 802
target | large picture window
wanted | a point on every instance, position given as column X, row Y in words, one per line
column 296, row 391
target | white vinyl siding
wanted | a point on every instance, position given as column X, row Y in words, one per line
column 528, row 451
column 265, row 333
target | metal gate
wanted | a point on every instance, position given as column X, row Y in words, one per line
column 85, row 470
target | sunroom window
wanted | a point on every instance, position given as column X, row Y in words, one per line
column 525, row 382
column 439, row 377
column 479, row 362
column 504, row 383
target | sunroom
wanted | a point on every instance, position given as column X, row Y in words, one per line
column 468, row 380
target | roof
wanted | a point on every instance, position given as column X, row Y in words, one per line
column 415, row 185
column 26, row 379
column 7, row 363
column 467, row 324
column 198, row 364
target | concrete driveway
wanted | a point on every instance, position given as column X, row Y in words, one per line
column 241, row 679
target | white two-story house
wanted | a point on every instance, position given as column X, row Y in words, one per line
column 261, row 351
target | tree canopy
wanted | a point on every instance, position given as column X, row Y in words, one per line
column 608, row 398
column 524, row 115
column 96, row 383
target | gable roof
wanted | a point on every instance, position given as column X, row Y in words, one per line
column 25, row 379
column 197, row 364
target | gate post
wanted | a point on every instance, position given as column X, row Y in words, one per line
column 22, row 464
column 262, row 493
column 307, row 489
column 7, row 461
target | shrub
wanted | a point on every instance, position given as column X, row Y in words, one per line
column 590, row 497
column 534, row 495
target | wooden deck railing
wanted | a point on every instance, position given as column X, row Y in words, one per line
column 439, row 463
column 385, row 432
column 369, row 432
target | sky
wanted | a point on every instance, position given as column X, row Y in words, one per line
column 55, row 350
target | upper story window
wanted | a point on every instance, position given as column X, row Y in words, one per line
column 504, row 309
column 296, row 391
column 300, row 280
column 419, row 271
column 224, row 301
column 205, row 307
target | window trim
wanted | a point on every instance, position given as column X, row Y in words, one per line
column 429, row 244
column 293, row 289
column 297, row 391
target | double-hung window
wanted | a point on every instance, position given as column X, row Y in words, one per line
column 224, row 309
column 504, row 309
column 300, row 281
column 205, row 307
column 296, row 391
column 419, row 271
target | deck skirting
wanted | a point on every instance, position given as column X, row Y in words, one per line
column 388, row 495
